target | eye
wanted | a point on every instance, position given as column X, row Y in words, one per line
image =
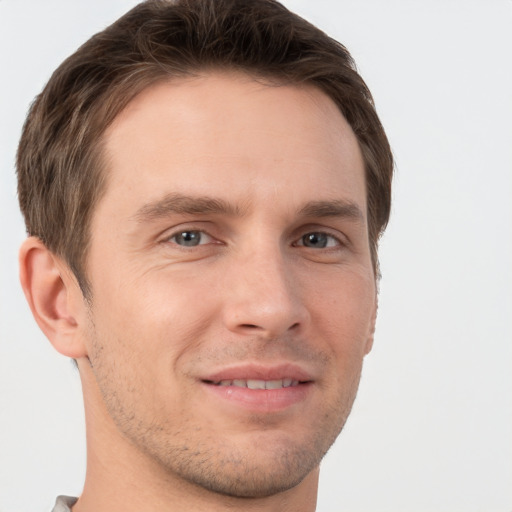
column 190, row 238
column 318, row 240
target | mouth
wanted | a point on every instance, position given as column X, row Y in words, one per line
column 260, row 388
column 257, row 383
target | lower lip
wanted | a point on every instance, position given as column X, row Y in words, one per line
column 261, row 400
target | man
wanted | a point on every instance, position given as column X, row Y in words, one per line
column 204, row 184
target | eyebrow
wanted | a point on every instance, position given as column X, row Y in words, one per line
column 185, row 205
column 335, row 208
column 196, row 205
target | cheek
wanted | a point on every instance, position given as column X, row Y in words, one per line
column 139, row 338
column 343, row 311
column 156, row 315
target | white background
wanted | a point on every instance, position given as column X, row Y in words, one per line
column 431, row 429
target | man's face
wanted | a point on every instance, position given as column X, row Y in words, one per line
column 233, row 295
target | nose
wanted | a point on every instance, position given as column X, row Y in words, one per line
column 262, row 296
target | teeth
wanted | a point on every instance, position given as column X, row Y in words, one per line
column 259, row 384
column 274, row 384
column 256, row 384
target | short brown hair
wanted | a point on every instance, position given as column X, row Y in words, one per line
column 59, row 165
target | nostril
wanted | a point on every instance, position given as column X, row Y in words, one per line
column 296, row 325
column 250, row 326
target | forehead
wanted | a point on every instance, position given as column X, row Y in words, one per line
column 227, row 134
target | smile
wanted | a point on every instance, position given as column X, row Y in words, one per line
column 257, row 383
column 260, row 389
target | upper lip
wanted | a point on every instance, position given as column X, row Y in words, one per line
column 256, row 371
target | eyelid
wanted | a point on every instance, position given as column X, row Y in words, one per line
column 341, row 239
column 339, row 243
column 203, row 236
column 168, row 236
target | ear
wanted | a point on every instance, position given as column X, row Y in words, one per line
column 54, row 297
column 371, row 332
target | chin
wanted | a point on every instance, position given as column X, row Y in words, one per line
column 251, row 479
column 272, row 464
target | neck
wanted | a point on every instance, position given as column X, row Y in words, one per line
column 120, row 478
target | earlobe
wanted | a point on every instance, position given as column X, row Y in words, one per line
column 51, row 292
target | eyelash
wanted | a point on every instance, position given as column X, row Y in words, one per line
column 301, row 242
column 182, row 232
column 314, row 235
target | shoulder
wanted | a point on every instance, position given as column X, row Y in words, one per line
column 64, row 504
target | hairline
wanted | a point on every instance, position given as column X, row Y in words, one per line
column 99, row 156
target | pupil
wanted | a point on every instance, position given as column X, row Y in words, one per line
column 188, row 238
column 315, row 240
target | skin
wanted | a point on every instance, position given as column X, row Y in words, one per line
column 281, row 277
